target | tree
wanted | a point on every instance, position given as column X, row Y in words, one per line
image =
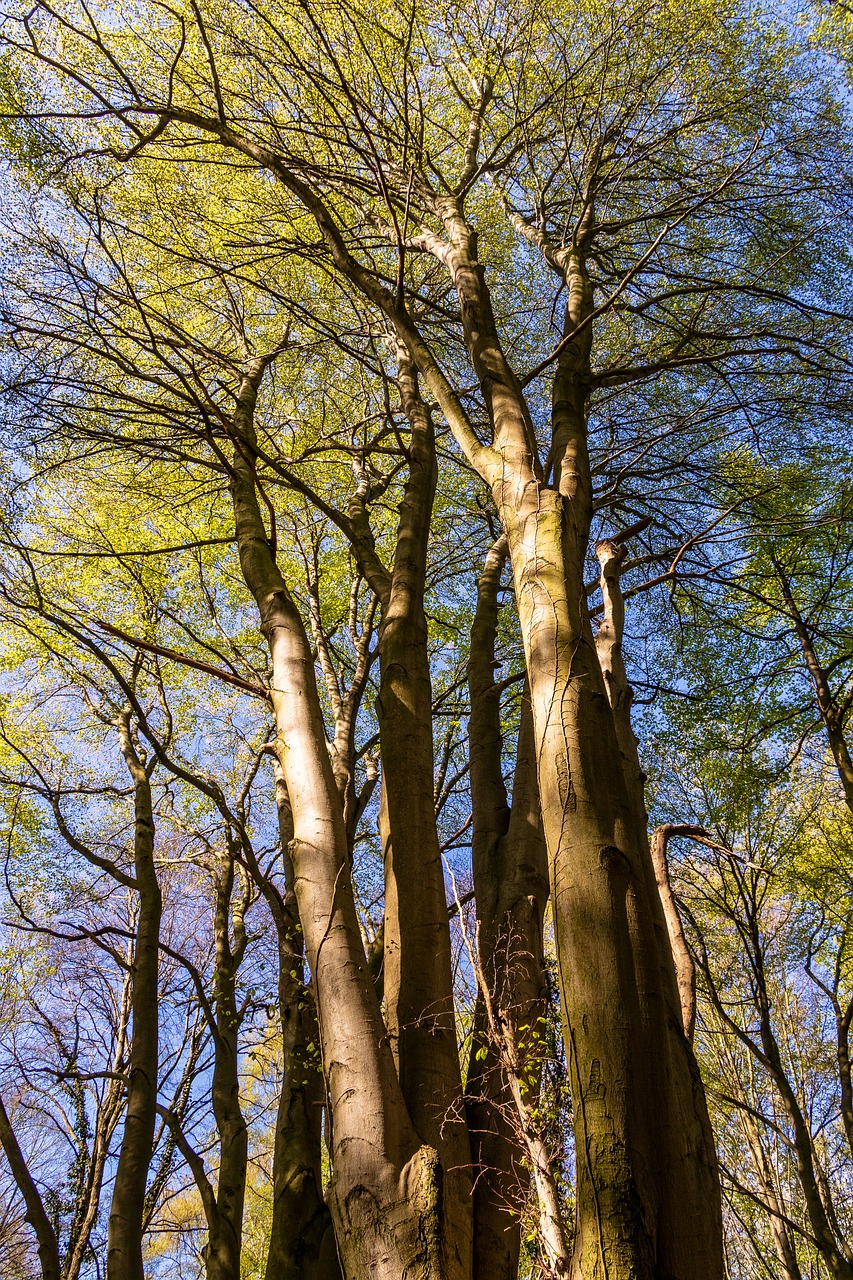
column 624, row 174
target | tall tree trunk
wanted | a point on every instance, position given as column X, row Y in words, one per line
column 225, row 1224
column 88, row 1204
column 832, row 716
column 511, row 889
column 648, row 1199
column 418, row 982
column 647, row 1186
column 302, row 1244
column 843, row 1019
column 820, row 1210
column 124, row 1236
column 387, row 1194
column 782, row 1240
column 47, row 1244
column 765, row 1049
column 608, row 644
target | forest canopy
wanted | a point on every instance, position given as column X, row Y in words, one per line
column 426, row 781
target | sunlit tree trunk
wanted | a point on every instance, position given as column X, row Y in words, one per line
column 387, row 1194
column 648, row 1199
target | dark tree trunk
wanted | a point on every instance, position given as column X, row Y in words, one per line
column 418, row 981
column 511, row 889
column 46, row 1242
column 124, row 1238
column 225, row 1222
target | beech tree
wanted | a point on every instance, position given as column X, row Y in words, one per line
column 384, row 302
